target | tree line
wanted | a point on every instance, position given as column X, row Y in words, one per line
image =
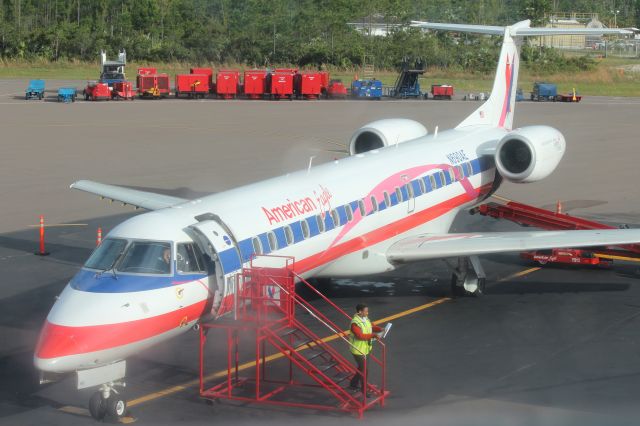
column 264, row 33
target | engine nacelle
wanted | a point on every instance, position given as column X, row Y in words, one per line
column 381, row 133
column 529, row 154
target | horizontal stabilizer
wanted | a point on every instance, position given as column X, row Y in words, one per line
column 142, row 199
column 432, row 246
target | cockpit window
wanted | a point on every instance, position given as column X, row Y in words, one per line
column 147, row 257
column 106, row 254
column 189, row 259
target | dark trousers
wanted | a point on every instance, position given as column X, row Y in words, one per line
column 357, row 381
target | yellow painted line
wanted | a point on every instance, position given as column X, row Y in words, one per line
column 612, row 257
column 250, row 364
column 520, row 274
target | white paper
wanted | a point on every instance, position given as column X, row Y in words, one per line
column 386, row 329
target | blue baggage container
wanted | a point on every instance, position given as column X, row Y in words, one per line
column 544, row 91
column 371, row 89
column 35, row 90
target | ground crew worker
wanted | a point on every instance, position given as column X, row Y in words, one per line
column 361, row 339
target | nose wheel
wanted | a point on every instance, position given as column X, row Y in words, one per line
column 107, row 403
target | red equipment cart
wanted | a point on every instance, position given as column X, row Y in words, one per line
column 123, row 90
column 227, row 83
column 566, row 256
column 254, row 83
column 442, row 91
column 337, row 90
column 153, row 86
column 192, row 85
column 96, row 91
column 308, row 85
column 281, row 85
column 205, row 71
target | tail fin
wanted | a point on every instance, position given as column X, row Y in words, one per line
column 498, row 110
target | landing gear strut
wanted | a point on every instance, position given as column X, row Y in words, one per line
column 468, row 278
column 108, row 403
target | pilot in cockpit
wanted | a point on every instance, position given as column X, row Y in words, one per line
column 164, row 262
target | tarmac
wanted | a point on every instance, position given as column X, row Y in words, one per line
column 545, row 345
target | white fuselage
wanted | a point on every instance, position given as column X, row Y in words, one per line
column 324, row 217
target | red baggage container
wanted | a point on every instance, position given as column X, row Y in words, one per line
column 442, row 91
column 206, row 71
column 123, row 90
column 308, row 85
column 281, row 85
column 255, row 83
column 227, row 83
column 153, row 86
column 192, row 85
column 97, row 91
column 286, row 70
column 147, row 70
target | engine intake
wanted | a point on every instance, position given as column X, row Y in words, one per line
column 529, row 154
column 382, row 133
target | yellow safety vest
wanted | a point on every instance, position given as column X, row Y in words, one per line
column 359, row 346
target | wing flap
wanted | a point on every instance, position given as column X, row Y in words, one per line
column 433, row 246
column 134, row 197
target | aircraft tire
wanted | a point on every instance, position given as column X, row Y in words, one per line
column 97, row 406
column 116, row 406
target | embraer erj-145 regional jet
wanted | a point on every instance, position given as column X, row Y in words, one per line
column 390, row 202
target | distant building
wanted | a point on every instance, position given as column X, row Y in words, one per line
column 572, row 42
column 374, row 25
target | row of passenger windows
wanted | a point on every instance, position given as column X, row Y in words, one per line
column 406, row 192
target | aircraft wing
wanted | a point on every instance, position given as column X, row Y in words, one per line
column 437, row 246
column 141, row 199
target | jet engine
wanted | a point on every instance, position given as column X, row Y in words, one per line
column 381, row 133
column 529, row 154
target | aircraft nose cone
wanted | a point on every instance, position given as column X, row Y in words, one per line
column 54, row 343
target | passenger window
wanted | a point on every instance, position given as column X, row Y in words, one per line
column 387, row 199
column 273, row 241
column 189, row 259
column 361, row 208
column 320, row 223
column 409, row 190
column 423, row 186
column 469, row 171
column 374, row 204
column 335, row 217
column 288, row 234
column 257, row 245
column 399, row 195
column 460, row 172
column 442, row 178
column 305, row 229
column 432, row 181
column 347, row 208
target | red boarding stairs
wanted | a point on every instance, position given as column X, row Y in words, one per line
column 266, row 308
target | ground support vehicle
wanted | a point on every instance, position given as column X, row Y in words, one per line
column 112, row 71
column 192, row 85
column 255, row 83
column 123, row 90
column 227, row 82
column 280, row 84
column 96, row 91
column 337, row 90
column 568, row 97
column 442, row 91
column 567, row 257
column 35, row 90
column 407, row 84
column 209, row 73
column 366, row 89
column 308, row 85
column 153, row 86
column 544, row 92
column 67, row 94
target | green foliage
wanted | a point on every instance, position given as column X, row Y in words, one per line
column 548, row 61
column 259, row 33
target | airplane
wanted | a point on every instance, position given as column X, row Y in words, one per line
column 390, row 202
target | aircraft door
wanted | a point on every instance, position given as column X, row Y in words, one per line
column 215, row 239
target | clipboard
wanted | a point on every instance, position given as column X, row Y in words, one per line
column 386, row 330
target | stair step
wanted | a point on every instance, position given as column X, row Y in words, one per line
column 313, row 354
column 288, row 331
column 341, row 377
column 327, row 366
column 299, row 343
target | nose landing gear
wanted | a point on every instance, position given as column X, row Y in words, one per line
column 108, row 403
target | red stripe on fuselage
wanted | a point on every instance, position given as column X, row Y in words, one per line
column 59, row 340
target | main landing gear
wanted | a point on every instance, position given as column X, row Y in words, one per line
column 108, row 403
column 468, row 278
